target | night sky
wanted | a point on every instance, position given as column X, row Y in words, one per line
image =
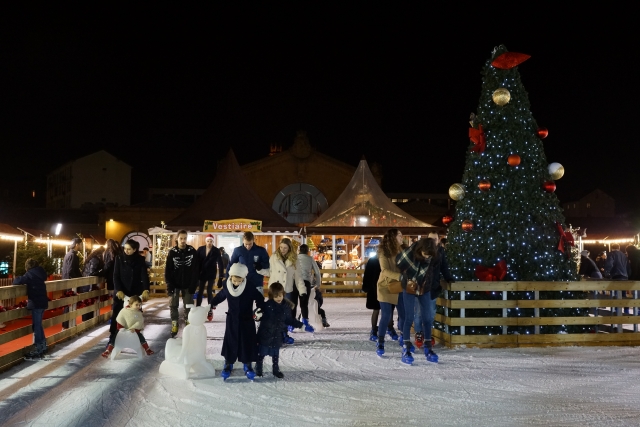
column 169, row 89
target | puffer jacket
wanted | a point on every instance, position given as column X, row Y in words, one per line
column 286, row 274
column 274, row 318
column 36, row 288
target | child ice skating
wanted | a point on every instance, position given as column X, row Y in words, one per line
column 38, row 303
column 130, row 318
column 240, row 332
column 274, row 316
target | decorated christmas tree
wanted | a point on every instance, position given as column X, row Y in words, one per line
column 508, row 224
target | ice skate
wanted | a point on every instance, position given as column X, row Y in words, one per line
column 392, row 333
column 431, row 356
column 226, row 371
column 276, row 368
column 258, row 369
column 108, row 351
column 325, row 323
column 380, row 348
column 249, row 372
column 406, row 353
column 210, row 315
column 419, row 339
column 174, row 328
column 307, row 326
column 373, row 335
column 147, row 349
column 34, row 355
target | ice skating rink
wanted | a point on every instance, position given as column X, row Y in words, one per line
column 332, row 378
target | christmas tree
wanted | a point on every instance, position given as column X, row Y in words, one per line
column 508, row 223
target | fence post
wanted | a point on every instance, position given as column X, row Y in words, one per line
column 462, row 310
column 504, row 312
column 536, row 311
column 446, row 311
column 619, row 297
column 635, row 311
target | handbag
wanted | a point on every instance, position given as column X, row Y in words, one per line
column 412, row 288
column 395, row 287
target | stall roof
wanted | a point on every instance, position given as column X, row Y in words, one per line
column 7, row 230
column 230, row 196
column 363, row 208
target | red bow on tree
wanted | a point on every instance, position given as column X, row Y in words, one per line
column 565, row 237
column 477, row 137
column 492, row 274
column 509, row 60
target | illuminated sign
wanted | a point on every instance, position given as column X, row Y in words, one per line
column 232, row 225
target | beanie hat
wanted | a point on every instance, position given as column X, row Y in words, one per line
column 584, row 253
column 209, row 236
column 239, row 270
column 433, row 236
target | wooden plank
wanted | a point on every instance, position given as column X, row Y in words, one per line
column 529, row 321
column 342, row 287
column 457, row 304
column 13, row 314
column 345, row 295
column 481, row 286
column 341, row 279
column 584, row 285
column 341, row 271
column 483, row 321
column 598, row 302
column 15, row 334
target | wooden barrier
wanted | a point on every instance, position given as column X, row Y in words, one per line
column 335, row 283
column 605, row 298
column 54, row 287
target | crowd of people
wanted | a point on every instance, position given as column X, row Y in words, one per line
column 616, row 265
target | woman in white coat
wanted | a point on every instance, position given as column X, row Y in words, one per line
column 282, row 269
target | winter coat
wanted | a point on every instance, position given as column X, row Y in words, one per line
column 309, row 269
column 286, row 273
column 370, row 282
column 182, row 270
column 93, row 267
column 71, row 265
column 588, row 268
column 130, row 275
column 210, row 264
column 240, row 332
column 107, row 269
column 243, row 256
column 129, row 318
column 440, row 266
column 275, row 318
column 617, row 265
column 634, row 265
column 388, row 272
column 36, row 288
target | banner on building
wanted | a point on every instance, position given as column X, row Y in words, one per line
column 232, row 225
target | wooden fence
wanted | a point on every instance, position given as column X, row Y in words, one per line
column 335, row 283
column 606, row 303
column 55, row 288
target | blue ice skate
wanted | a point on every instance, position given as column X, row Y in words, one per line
column 406, row 355
column 307, row 326
column 249, row 372
column 380, row 348
column 373, row 335
column 393, row 334
column 431, row 356
column 226, row 371
column 290, row 328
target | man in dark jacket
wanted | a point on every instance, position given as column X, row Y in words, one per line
column 254, row 257
column 38, row 303
column 617, row 264
column 71, row 268
column 210, row 264
column 588, row 267
column 181, row 276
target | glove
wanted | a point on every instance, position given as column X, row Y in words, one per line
column 303, row 294
column 120, row 295
column 170, row 292
column 257, row 314
column 220, row 280
column 257, row 265
column 213, row 307
column 145, row 295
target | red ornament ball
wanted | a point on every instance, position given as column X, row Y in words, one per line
column 514, row 160
column 549, row 186
column 543, row 133
column 447, row 219
column 467, row 225
column 484, row 185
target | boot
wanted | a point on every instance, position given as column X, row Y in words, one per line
column 373, row 335
column 325, row 323
column 419, row 339
column 147, row 349
column 307, row 326
column 108, row 351
column 226, row 371
column 380, row 348
column 259, row 368
column 249, row 372
column 407, row 357
column 174, row 328
column 276, row 368
column 431, row 356
column 34, row 354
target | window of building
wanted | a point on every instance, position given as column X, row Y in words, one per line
column 588, row 205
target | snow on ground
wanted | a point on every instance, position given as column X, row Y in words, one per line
column 332, row 378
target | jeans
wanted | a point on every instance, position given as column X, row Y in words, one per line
column 418, row 324
column 386, row 312
column 201, row 287
column 426, row 310
column 38, row 331
column 187, row 298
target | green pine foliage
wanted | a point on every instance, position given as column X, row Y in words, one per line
column 515, row 219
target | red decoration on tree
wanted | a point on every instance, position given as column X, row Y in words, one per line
column 509, row 60
column 549, row 186
column 514, row 160
column 447, row 219
column 467, row 225
column 484, row 185
column 492, row 274
column 565, row 237
column 543, row 133
column 477, row 137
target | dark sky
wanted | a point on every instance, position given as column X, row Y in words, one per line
column 167, row 89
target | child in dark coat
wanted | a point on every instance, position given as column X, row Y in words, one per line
column 240, row 333
column 38, row 303
column 274, row 317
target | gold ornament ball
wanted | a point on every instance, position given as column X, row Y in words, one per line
column 501, row 96
column 556, row 170
column 456, row 192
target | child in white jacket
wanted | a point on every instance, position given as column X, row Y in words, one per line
column 130, row 318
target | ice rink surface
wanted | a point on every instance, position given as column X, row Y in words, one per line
column 332, row 378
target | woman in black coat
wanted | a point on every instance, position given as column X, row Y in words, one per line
column 240, row 332
column 112, row 250
column 370, row 286
column 130, row 278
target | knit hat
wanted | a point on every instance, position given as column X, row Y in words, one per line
column 239, row 270
column 584, row 253
column 209, row 236
column 433, row 236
